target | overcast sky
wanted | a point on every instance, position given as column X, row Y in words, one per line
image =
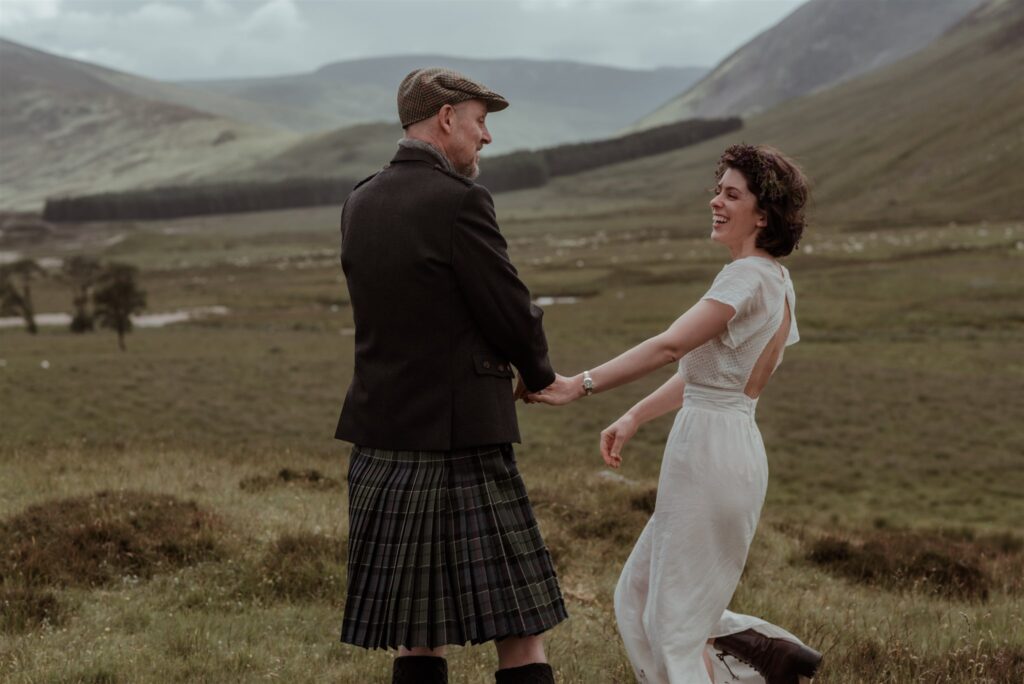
column 192, row 39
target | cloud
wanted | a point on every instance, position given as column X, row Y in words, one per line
column 192, row 39
column 217, row 8
column 162, row 15
column 273, row 19
column 14, row 12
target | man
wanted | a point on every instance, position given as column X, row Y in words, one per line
column 443, row 544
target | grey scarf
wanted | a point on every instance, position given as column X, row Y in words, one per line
column 415, row 144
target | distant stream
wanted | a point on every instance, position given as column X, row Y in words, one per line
column 154, row 320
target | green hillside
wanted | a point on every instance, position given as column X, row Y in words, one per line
column 553, row 101
column 849, row 39
column 352, row 152
column 932, row 139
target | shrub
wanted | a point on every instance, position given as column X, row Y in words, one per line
column 313, row 479
column 25, row 609
column 92, row 541
column 305, row 567
column 900, row 560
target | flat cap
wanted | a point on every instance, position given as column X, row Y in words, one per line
column 424, row 91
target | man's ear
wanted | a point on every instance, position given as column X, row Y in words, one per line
column 446, row 118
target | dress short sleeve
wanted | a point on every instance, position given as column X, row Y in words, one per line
column 739, row 286
column 794, row 333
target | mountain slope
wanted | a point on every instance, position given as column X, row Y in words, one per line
column 822, row 43
column 353, row 152
column 934, row 138
column 73, row 127
column 553, row 102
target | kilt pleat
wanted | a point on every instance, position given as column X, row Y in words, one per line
column 444, row 549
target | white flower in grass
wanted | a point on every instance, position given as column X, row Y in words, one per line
column 44, row 364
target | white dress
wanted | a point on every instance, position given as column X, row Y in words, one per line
column 679, row 579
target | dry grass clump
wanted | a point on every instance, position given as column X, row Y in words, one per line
column 896, row 661
column 313, row 479
column 944, row 563
column 305, row 567
column 25, row 609
column 645, row 502
column 92, row 541
column 619, row 520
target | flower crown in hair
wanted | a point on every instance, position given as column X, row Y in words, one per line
column 757, row 167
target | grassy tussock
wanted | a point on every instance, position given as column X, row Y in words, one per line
column 899, row 661
column 22, row 610
column 312, row 479
column 93, row 541
column 305, row 567
column 934, row 563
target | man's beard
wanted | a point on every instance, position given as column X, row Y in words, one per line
column 470, row 170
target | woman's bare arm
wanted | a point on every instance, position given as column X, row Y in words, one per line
column 668, row 397
column 704, row 320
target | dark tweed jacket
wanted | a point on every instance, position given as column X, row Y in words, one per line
column 440, row 313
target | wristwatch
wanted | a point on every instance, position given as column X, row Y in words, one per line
column 588, row 383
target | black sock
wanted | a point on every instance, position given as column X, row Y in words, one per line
column 534, row 673
column 420, row 670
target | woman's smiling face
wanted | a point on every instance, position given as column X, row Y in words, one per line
column 735, row 217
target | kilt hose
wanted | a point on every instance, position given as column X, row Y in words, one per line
column 444, row 549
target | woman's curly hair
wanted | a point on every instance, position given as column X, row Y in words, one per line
column 781, row 191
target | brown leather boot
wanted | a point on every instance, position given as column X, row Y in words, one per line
column 420, row 670
column 779, row 661
column 534, row 673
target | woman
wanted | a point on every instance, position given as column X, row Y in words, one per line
column 671, row 599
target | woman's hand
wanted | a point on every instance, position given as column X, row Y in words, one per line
column 614, row 437
column 559, row 393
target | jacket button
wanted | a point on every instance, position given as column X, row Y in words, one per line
column 487, row 364
column 501, row 366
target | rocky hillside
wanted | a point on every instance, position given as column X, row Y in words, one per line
column 72, row 127
column 934, row 138
column 822, row 43
column 553, row 102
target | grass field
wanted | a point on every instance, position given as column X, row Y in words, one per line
column 890, row 538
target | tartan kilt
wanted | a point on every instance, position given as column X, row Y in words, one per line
column 444, row 548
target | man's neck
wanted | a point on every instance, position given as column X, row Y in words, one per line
column 428, row 146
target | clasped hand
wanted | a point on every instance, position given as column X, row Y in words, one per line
column 559, row 393
column 567, row 389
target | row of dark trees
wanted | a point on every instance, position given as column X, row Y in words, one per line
column 107, row 294
column 195, row 200
column 514, row 171
column 533, row 169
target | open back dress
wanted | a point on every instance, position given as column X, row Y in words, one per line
column 674, row 590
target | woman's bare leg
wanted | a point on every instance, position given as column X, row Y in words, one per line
column 707, row 661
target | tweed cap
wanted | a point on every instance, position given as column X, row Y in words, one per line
column 424, row 91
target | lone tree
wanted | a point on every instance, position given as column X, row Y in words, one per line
column 81, row 273
column 116, row 296
column 15, row 302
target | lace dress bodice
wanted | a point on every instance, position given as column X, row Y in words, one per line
column 758, row 289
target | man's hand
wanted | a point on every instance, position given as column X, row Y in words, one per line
column 614, row 437
column 562, row 391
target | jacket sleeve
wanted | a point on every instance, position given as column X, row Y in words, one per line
column 496, row 297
